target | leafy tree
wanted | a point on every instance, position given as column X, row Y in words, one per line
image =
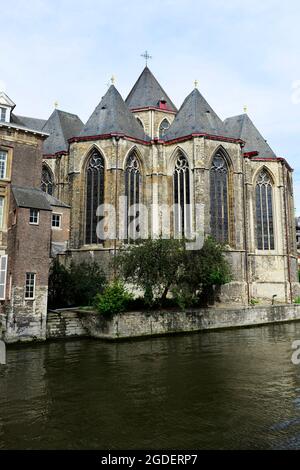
column 76, row 285
column 153, row 265
column 204, row 271
column 162, row 265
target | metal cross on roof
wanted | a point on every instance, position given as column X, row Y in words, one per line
column 146, row 56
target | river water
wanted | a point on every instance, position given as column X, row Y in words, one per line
column 233, row 389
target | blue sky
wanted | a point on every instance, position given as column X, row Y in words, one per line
column 241, row 52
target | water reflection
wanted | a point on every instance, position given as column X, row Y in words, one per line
column 227, row 389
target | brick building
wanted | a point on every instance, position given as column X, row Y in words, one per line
column 26, row 218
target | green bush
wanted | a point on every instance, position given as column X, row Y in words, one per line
column 76, row 285
column 297, row 300
column 114, row 299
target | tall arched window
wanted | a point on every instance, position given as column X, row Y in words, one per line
column 264, row 212
column 132, row 190
column 164, row 126
column 47, row 184
column 94, row 195
column 219, row 214
column 181, row 187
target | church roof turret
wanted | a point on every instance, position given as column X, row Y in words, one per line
column 148, row 93
column 241, row 127
column 61, row 126
column 113, row 116
column 195, row 117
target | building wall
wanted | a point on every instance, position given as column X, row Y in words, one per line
column 256, row 273
column 28, row 251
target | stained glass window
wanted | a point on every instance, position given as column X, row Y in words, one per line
column 181, row 187
column 132, row 191
column 219, row 216
column 47, row 184
column 264, row 212
column 164, row 126
column 94, row 195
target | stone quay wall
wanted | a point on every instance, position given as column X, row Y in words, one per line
column 78, row 323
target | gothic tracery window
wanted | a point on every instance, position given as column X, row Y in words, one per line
column 132, row 191
column 264, row 212
column 164, row 126
column 94, row 195
column 47, row 184
column 219, row 214
column 181, row 187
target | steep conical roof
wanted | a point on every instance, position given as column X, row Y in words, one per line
column 113, row 116
column 61, row 126
column 195, row 117
column 147, row 92
column 241, row 127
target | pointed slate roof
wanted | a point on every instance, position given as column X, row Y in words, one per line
column 113, row 116
column 241, row 127
column 61, row 126
column 195, row 117
column 147, row 92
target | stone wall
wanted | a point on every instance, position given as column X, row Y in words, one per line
column 64, row 324
column 67, row 323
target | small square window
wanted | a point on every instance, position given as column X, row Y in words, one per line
column 30, row 286
column 34, row 216
column 56, row 220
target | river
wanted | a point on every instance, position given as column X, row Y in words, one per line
column 233, row 389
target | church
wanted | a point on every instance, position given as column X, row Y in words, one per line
column 145, row 151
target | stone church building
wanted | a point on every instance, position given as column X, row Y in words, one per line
column 145, row 151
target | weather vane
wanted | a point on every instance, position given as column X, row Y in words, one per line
column 113, row 79
column 55, row 104
column 196, row 83
column 146, row 56
column 245, row 108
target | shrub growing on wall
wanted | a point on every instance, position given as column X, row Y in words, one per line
column 114, row 299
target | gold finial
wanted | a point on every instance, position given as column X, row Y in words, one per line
column 245, row 108
column 113, row 79
column 55, row 104
column 196, row 83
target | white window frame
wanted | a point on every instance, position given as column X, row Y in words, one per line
column 2, row 207
column 54, row 227
column 3, row 153
column 34, row 283
column 5, row 116
column 3, row 284
column 38, row 216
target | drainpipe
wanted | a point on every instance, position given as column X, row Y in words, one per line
column 287, row 238
column 245, row 199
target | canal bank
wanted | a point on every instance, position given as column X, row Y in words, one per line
column 66, row 323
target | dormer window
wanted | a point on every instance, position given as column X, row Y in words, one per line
column 6, row 107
